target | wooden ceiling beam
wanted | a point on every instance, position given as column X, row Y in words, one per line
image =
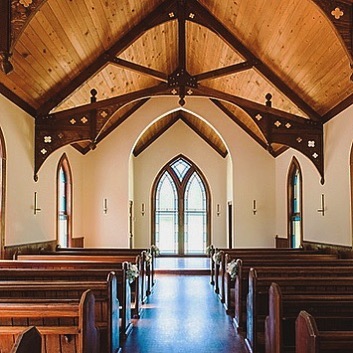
column 140, row 149
column 202, row 16
column 224, row 71
column 83, row 123
column 160, row 76
column 157, row 16
column 203, row 136
column 240, row 123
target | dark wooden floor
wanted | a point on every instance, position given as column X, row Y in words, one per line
column 183, row 315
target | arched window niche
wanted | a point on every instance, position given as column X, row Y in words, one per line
column 181, row 209
column 295, row 205
column 64, row 202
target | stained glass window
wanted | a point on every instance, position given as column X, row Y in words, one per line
column 180, row 219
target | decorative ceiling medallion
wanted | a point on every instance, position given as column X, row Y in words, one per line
column 72, row 121
column 171, row 14
column 299, row 139
column 191, row 15
column 60, row 135
column 189, row 92
column 104, row 114
column 43, row 151
column 258, row 117
column 315, row 155
column 311, row 143
column 288, row 125
column 277, row 123
column 84, row 120
column 47, row 139
column 174, row 91
column 337, row 13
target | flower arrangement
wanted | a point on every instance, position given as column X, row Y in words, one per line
column 148, row 257
column 132, row 272
column 232, row 269
column 209, row 250
column 155, row 250
column 217, row 257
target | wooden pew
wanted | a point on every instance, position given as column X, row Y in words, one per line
column 220, row 270
column 257, row 299
column 215, row 269
column 145, row 252
column 235, row 300
column 332, row 312
column 106, row 301
column 110, row 262
column 30, row 337
column 311, row 340
column 65, row 327
column 73, row 274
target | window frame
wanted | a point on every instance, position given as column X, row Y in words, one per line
column 65, row 166
column 294, row 167
column 181, row 189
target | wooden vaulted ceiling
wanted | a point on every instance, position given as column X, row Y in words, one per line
column 280, row 69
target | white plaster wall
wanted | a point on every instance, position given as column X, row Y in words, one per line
column 179, row 139
column 106, row 175
column 21, row 225
column 335, row 226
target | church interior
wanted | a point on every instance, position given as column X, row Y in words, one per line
column 195, row 129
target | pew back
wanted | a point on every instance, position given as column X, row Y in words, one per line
column 65, row 327
column 310, row 340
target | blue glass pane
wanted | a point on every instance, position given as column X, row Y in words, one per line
column 180, row 167
column 195, row 216
column 166, row 215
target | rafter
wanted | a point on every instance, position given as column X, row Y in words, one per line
column 203, row 17
column 84, row 123
column 160, row 76
column 156, row 17
column 281, row 127
column 224, row 71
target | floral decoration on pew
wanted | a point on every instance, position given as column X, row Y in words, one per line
column 209, row 250
column 232, row 269
column 217, row 257
column 148, row 257
column 132, row 272
column 155, row 250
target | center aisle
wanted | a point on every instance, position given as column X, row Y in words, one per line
column 183, row 315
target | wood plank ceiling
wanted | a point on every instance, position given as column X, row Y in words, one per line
column 279, row 69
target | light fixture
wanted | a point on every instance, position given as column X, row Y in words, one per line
column 36, row 209
column 105, row 206
column 254, row 207
column 322, row 209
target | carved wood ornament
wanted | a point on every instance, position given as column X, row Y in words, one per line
column 88, row 122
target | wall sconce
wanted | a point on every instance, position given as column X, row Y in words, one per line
column 142, row 209
column 218, row 210
column 322, row 209
column 105, row 206
column 254, row 207
column 36, row 209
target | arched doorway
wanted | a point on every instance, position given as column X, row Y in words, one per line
column 181, row 207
